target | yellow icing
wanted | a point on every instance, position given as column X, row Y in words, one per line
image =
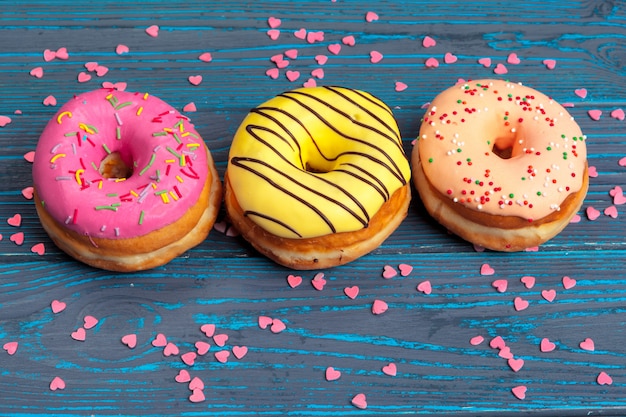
column 315, row 161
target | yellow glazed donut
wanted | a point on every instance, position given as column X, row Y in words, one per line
column 317, row 177
column 500, row 164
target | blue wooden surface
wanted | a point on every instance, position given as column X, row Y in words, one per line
column 225, row 283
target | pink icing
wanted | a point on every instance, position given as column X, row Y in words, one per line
column 456, row 149
column 166, row 153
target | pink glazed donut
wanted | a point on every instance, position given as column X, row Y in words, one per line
column 500, row 164
column 123, row 181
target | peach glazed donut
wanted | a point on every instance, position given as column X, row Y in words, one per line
column 317, row 177
column 499, row 164
column 123, row 181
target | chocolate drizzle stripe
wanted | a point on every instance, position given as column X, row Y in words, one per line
column 392, row 167
column 262, row 111
column 251, row 213
column 382, row 190
column 240, row 162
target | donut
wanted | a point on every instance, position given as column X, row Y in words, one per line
column 317, row 177
column 123, row 181
column 500, row 164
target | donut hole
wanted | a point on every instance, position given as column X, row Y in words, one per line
column 113, row 166
column 507, row 147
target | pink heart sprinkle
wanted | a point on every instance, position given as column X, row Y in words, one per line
column 405, row 269
column 575, row 219
column 159, row 340
column 196, row 383
column 312, row 37
column 400, row 86
column 37, row 72
column 274, row 22
column 519, row 391
column 549, row 63
column 195, row 79
column 49, row 55
column 318, row 73
column 595, row 114
column 28, row 193
column 10, row 347
column 486, row 269
column 546, row 345
column 520, row 304
column 291, row 53
column 120, row 86
column 170, row 349
column 505, row 353
column 272, row 73
column 604, row 379
column 222, row 356
column 57, row 383
column 611, row 211
column 273, row 34
column 292, row 75
column 277, row 326
column 220, row 339
column 379, row 307
column 153, row 31
column 528, row 281
column 390, row 369
column 351, row 292
column 208, row 329
column 17, row 238
column 568, row 282
column 371, row 17
column 62, row 53
column 515, row 364
column 375, row 57
column 205, row 57
column 121, row 49
column 57, row 306
column 593, row 173
column 428, row 42
column 500, row 69
column 622, row 162
column 130, row 340
column 618, row 114
column 592, row 213
column 101, row 70
column 197, row 396
column 79, row 334
column 425, row 287
column 497, row 343
column 4, row 120
column 15, row 220
column 240, row 351
column 264, row 322
column 334, row 48
column 548, row 295
column 30, row 156
column 189, row 358
column 476, row 340
column 321, row 59
column 619, row 198
column 182, row 376
column 91, row 66
column 300, row 34
column 389, row 272
column 318, row 281
column 332, row 374
column 89, row 322
column 432, row 63
column 50, row 101
column 310, row 83
column 190, row 107
column 485, row 62
column 588, row 345
column 581, row 92
column 449, row 58
column 202, row 347
column 359, row 401
column 348, row 40
column 513, row 59
column 294, row 280
column 500, row 285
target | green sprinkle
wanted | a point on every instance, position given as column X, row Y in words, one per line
column 549, row 148
column 430, row 160
column 94, row 166
column 159, row 134
column 459, row 101
column 118, row 133
column 106, row 148
column 538, row 192
column 511, row 195
column 160, row 192
column 458, row 150
column 141, row 215
column 177, row 138
column 111, row 207
column 112, row 195
column 124, row 104
column 68, row 134
column 113, row 100
column 92, row 127
column 152, row 158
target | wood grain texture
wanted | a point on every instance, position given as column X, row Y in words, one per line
column 224, row 282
